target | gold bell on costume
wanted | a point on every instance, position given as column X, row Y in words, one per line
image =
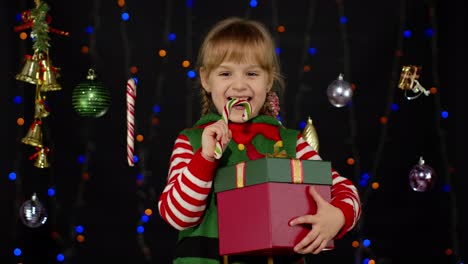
column 49, row 77
column 41, row 159
column 34, row 135
column 30, row 70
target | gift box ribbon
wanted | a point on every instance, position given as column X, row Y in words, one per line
column 297, row 173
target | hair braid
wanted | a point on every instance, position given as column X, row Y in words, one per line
column 205, row 102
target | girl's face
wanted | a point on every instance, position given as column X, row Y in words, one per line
column 237, row 80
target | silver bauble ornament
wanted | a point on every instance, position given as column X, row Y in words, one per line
column 32, row 213
column 339, row 92
column 421, row 177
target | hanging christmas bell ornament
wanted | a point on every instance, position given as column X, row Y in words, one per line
column 90, row 98
column 30, row 71
column 40, row 109
column 41, row 158
column 34, row 135
column 421, row 177
column 49, row 75
column 409, row 82
column 310, row 135
column 32, row 213
column 339, row 92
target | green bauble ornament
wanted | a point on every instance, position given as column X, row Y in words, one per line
column 90, row 98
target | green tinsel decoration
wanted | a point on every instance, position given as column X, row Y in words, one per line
column 40, row 28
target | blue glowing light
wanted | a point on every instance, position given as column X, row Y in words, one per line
column 312, row 51
column 51, row 192
column 407, row 33
column 366, row 261
column 60, row 257
column 17, row 252
column 363, row 183
column 191, row 74
column 189, row 3
column 18, row 17
column 140, row 176
column 253, row 3
column 366, row 242
column 444, row 114
column 172, row 36
column 12, row 176
column 343, row 20
column 135, row 158
column 279, row 118
column 79, row 229
column 429, row 32
column 125, row 16
column 89, row 30
column 302, row 124
column 140, row 229
column 144, row 218
column 278, row 50
column 156, row 109
column 81, row 159
column 446, row 188
column 394, row 107
column 135, row 79
column 365, row 176
column 18, row 99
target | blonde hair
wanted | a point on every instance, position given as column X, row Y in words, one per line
column 239, row 40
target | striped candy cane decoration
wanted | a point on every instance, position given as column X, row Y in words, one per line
column 131, row 95
column 226, row 112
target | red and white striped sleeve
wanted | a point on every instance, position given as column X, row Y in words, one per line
column 184, row 199
column 343, row 192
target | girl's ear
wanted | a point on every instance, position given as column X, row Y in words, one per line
column 270, row 83
column 203, row 79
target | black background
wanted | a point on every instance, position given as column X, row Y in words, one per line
column 404, row 226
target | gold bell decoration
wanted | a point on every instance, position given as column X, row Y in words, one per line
column 41, row 158
column 34, row 135
column 310, row 135
column 49, row 76
column 40, row 110
column 30, row 70
column 409, row 81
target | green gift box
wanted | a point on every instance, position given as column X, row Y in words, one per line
column 272, row 170
column 257, row 199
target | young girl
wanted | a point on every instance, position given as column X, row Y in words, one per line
column 237, row 60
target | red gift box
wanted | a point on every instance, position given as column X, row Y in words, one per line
column 257, row 199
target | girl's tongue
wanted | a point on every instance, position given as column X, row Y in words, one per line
column 238, row 107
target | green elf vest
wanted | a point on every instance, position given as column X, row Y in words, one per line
column 199, row 244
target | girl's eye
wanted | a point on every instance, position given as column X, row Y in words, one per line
column 252, row 74
column 224, row 74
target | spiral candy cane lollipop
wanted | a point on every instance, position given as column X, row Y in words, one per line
column 226, row 112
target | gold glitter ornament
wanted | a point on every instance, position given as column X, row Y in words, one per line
column 310, row 135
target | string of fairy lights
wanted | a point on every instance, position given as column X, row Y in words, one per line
column 368, row 182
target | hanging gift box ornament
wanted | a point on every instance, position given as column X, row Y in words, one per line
column 310, row 135
column 90, row 98
column 32, row 213
column 409, row 82
column 421, row 177
column 339, row 92
column 30, row 71
column 34, row 135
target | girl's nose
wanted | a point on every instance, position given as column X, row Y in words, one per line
column 239, row 84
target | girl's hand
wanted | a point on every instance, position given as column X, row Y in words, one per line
column 326, row 224
column 213, row 133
